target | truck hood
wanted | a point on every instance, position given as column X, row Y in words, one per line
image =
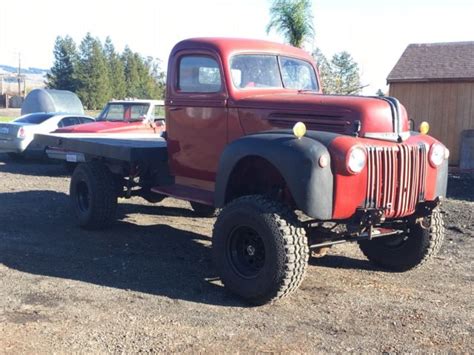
column 372, row 117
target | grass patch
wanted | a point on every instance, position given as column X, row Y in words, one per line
column 6, row 119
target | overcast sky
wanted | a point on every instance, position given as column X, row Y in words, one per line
column 374, row 32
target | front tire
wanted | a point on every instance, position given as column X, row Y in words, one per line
column 93, row 195
column 259, row 249
column 408, row 251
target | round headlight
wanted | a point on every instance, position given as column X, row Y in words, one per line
column 437, row 154
column 356, row 160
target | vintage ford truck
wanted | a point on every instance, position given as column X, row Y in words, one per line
column 292, row 171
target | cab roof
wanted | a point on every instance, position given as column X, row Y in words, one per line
column 228, row 46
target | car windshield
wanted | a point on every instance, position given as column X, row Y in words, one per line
column 271, row 71
column 34, row 118
column 124, row 112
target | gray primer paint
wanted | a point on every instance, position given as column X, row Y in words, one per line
column 45, row 100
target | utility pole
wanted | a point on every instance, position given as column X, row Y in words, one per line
column 19, row 74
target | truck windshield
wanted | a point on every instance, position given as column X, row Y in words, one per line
column 271, row 71
column 124, row 112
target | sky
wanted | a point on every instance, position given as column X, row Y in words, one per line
column 374, row 32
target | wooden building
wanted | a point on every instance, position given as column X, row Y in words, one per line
column 435, row 82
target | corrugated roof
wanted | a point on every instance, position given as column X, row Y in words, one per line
column 435, row 61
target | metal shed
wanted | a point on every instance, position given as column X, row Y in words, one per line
column 45, row 100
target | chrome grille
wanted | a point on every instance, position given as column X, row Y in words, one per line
column 396, row 178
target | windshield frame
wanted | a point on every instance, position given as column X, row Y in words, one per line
column 126, row 106
column 280, row 72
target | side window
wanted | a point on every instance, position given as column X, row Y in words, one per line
column 68, row 121
column 199, row 74
column 159, row 112
column 138, row 111
column 85, row 120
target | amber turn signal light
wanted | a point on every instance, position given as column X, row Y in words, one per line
column 424, row 127
column 299, row 129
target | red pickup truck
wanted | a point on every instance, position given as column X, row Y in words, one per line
column 249, row 132
column 121, row 118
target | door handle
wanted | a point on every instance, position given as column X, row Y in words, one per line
column 176, row 109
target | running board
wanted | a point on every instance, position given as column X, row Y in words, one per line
column 186, row 193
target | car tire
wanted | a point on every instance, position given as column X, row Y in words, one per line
column 69, row 166
column 16, row 156
column 152, row 197
column 93, row 196
column 410, row 250
column 259, row 249
column 202, row 210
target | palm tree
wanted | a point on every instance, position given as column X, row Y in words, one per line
column 293, row 19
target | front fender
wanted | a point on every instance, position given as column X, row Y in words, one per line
column 297, row 161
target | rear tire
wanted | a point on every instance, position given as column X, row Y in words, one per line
column 93, row 195
column 69, row 166
column 203, row 210
column 409, row 251
column 16, row 156
column 259, row 249
column 152, row 197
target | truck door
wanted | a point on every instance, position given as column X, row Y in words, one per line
column 196, row 118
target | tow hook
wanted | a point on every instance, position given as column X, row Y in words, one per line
column 425, row 209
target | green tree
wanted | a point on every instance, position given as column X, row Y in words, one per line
column 116, row 71
column 345, row 74
column 325, row 73
column 143, row 76
column 380, row 92
column 63, row 71
column 92, row 73
column 131, row 71
column 340, row 75
column 293, row 19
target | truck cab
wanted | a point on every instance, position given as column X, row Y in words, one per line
column 289, row 171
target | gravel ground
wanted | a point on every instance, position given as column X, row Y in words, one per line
column 148, row 284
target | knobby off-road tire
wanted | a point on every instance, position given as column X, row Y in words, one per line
column 93, row 195
column 203, row 210
column 410, row 251
column 259, row 249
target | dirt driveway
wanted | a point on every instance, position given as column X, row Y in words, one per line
column 148, row 284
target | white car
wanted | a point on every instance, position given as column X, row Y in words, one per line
column 17, row 137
